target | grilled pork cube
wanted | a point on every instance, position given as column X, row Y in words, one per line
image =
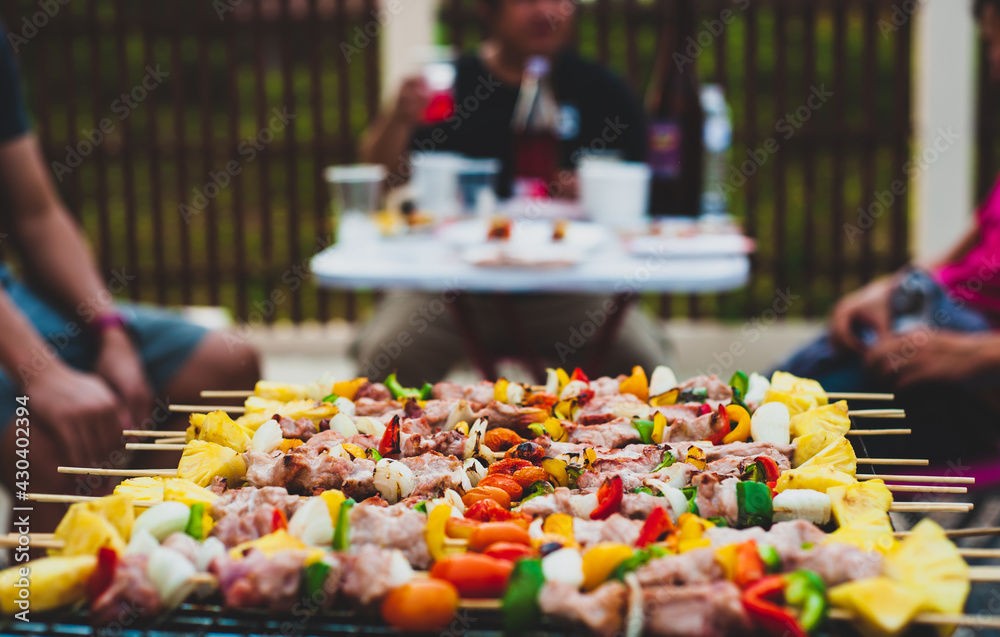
column 701, row 428
column 717, row 497
column 371, row 573
column 374, row 391
column 130, row 593
column 697, row 566
column 606, row 386
column 392, row 527
column 601, row 611
column 375, row 408
column 436, row 413
column 699, row 610
column 718, row 391
column 258, row 581
column 616, row 528
column 783, row 536
column 686, row 411
column 244, row 501
column 447, row 443
column 612, row 434
column 639, row 505
column 434, row 473
column 835, row 563
column 781, row 454
column 183, row 544
column 601, row 409
column 516, row 417
column 560, row 501
column 301, row 429
column 236, row 528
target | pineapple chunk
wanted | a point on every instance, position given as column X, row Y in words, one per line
column 219, row 428
column 837, row 455
column 811, row 444
column 116, row 509
column 867, row 537
column 83, row 532
column 831, row 418
column 883, row 606
column 202, row 461
column 783, row 381
column 142, row 490
column 930, row 563
column 187, row 492
column 817, row 478
column 348, row 388
column 796, row 403
column 282, row 392
column 862, row 503
column 52, row 582
column 280, row 540
column 311, row 409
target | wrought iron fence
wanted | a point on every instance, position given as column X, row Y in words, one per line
column 220, row 117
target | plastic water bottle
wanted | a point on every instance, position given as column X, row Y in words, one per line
column 718, row 135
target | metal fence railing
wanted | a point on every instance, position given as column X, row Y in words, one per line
column 208, row 189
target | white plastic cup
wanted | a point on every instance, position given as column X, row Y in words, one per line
column 435, row 182
column 356, row 191
column 615, row 194
column 475, row 177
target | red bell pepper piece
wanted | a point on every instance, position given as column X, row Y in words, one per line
column 723, row 431
column 389, row 444
column 278, row 520
column 654, row 527
column 750, row 567
column 770, row 468
column 766, row 614
column 103, row 574
column 704, row 409
column 579, row 375
column 609, row 498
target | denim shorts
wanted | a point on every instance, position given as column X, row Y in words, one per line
column 163, row 340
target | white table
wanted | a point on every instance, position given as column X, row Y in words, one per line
column 428, row 264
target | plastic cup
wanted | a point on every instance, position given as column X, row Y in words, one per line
column 435, row 182
column 356, row 192
column 477, row 178
column 615, row 194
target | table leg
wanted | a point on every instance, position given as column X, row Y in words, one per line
column 523, row 345
column 606, row 336
column 465, row 322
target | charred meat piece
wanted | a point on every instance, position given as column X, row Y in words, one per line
column 374, row 391
column 612, row 434
column 601, row 409
column 258, row 581
column 301, row 429
column 434, row 473
column 392, row 527
column 700, row 610
column 130, row 593
column 447, row 443
column 601, row 611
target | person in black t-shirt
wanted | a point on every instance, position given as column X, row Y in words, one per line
column 597, row 111
column 411, row 333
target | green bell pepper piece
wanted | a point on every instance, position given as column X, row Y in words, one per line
column 668, row 459
column 639, row 558
column 195, row 527
column 718, row 521
column 342, row 534
column 535, row 489
column 330, row 398
column 753, row 500
column 314, row 578
column 520, row 602
column 397, row 390
column 807, row 590
column 771, row 558
column 426, row 391
column 645, row 429
column 740, row 381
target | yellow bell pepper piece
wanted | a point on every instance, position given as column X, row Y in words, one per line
column 818, row 478
column 287, row 444
column 601, row 560
column 83, row 532
column 563, row 379
column 555, row 429
column 659, row 426
column 589, row 457
column 690, row 529
column 50, row 583
column 334, row 498
column 741, row 432
column 557, row 469
column 666, row 398
column 637, row 384
column 884, row 606
column 696, row 457
column 269, row 544
column 559, row 524
column 726, row 558
column 500, row 390
column 355, row 450
column 434, row 532
column 462, row 427
column 348, row 388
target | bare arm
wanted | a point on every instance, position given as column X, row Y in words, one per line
column 966, row 243
column 54, row 251
column 387, row 141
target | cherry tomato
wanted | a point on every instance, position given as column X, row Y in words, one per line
column 506, row 483
column 507, row 466
column 512, row 551
column 473, row 574
column 460, row 527
column 486, row 493
column 421, row 606
column 527, row 476
column 490, row 532
column 531, row 451
column 490, row 511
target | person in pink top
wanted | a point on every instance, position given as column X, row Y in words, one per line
column 931, row 334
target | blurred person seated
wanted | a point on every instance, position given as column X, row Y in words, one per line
column 89, row 366
column 597, row 112
column 928, row 333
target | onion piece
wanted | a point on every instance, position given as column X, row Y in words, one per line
column 564, row 565
column 267, row 438
column 393, row 480
column 163, row 519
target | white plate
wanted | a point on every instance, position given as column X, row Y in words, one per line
column 507, row 255
column 534, row 234
column 702, row 245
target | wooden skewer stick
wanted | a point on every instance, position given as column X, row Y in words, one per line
column 849, row 395
column 155, row 446
column 69, row 499
column 934, row 619
column 897, row 461
column 204, row 409
column 984, row 574
column 13, row 542
column 905, row 478
column 171, row 441
column 877, row 413
column 126, row 473
column 879, row 432
column 931, row 507
column 150, row 433
column 901, row 488
column 226, row 393
column 979, row 553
